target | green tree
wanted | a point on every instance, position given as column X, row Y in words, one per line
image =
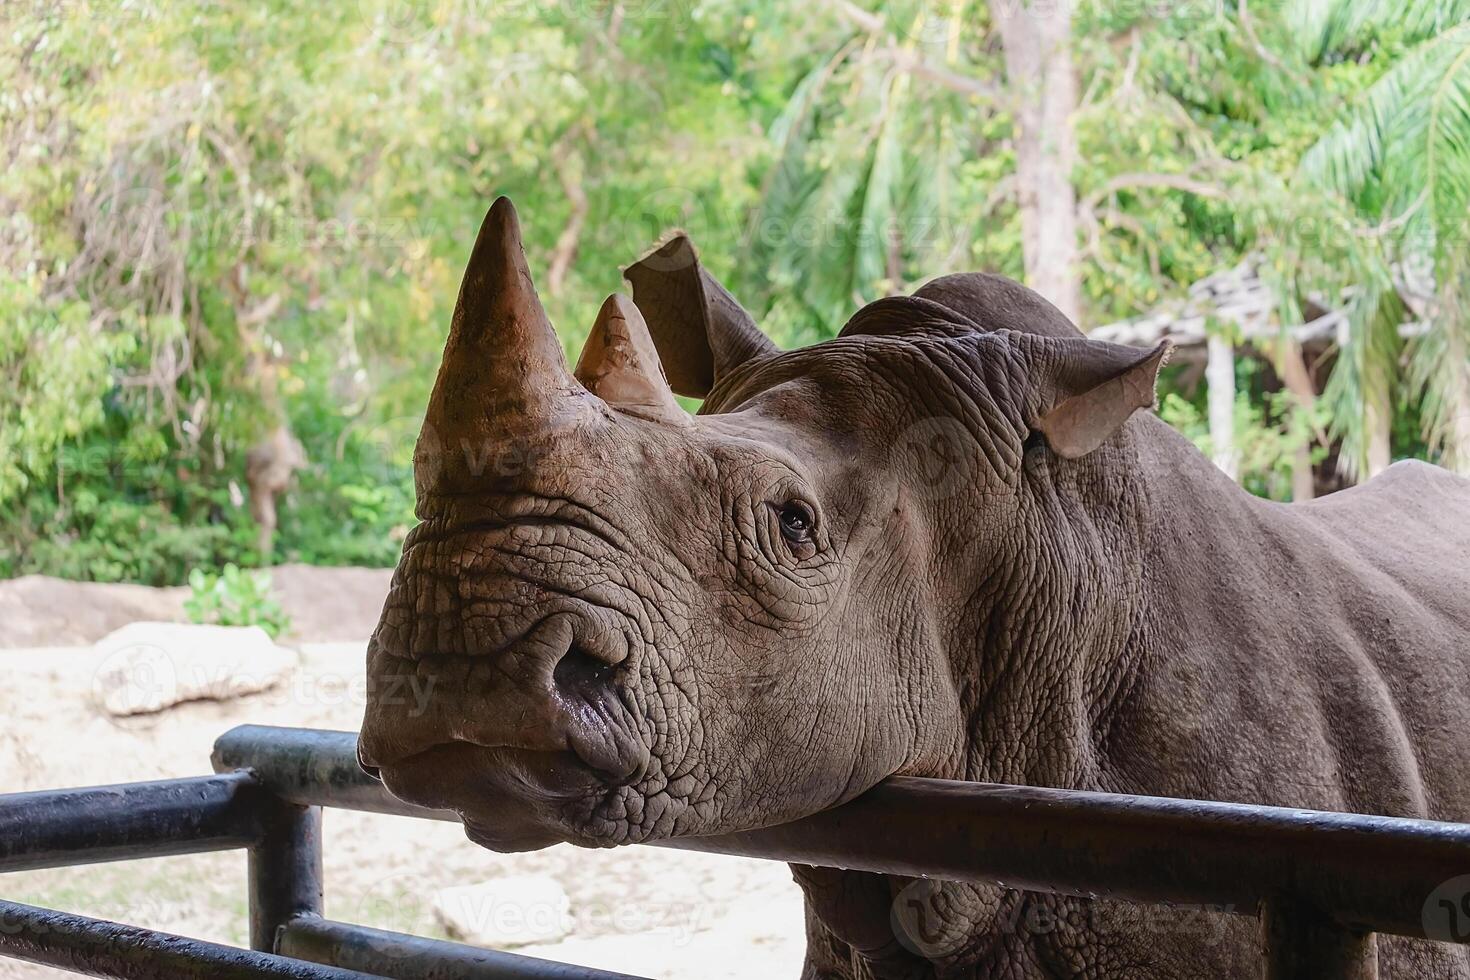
column 1394, row 172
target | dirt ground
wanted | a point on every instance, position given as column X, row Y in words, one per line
column 646, row 911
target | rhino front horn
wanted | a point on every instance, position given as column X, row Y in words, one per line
column 620, row 365
column 504, row 375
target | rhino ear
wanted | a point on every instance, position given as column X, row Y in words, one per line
column 700, row 331
column 1084, row 390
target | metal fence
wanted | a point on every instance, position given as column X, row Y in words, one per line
column 1322, row 883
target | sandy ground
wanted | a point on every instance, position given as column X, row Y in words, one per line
column 646, row 911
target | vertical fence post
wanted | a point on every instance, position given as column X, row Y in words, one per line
column 1220, row 385
column 285, row 870
column 1301, row 944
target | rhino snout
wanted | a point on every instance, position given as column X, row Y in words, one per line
column 557, row 690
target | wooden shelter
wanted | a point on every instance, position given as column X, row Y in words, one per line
column 1235, row 310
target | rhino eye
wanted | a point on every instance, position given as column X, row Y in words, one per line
column 796, row 520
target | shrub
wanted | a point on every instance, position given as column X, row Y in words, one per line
column 235, row 598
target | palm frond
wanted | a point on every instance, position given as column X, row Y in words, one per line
column 1401, row 157
column 1326, row 26
column 1388, row 137
column 873, row 228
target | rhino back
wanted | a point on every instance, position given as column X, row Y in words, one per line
column 1311, row 655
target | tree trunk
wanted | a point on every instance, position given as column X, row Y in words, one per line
column 268, row 470
column 1291, row 366
column 1043, row 83
column 568, row 165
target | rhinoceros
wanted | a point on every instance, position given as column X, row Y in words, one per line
column 950, row 542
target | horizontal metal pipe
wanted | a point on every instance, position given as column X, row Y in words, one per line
column 311, row 767
column 57, row 828
column 1365, row 872
column 106, row 949
column 404, row 957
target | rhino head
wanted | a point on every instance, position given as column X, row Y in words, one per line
column 640, row 624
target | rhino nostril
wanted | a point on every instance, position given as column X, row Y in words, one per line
column 581, row 671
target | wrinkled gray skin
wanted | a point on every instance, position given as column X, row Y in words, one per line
column 625, row 646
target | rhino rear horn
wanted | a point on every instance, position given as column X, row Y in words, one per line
column 620, row 364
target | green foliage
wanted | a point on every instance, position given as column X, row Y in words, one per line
column 235, row 598
column 1334, row 135
column 1269, row 431
column 221, row 218
column 1398, row 161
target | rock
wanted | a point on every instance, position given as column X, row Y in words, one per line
column 323, row 603
column 330, row 603
column 40, row 611
column 146, row 667
column 510, row 911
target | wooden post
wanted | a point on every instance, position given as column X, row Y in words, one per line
column 1380, row 426
column 1220, row 380
column 1457, row 436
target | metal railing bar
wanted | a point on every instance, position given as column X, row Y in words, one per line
column 94, row 947
column 311, row 767
column 404, row 957
column 1299, row 943
column 59, row 828
column 284, row 871
column 1367, row 873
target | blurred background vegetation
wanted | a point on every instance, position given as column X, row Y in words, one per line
column 231, row 234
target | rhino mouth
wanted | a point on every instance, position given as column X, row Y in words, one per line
column 508, row 799
column 524, row 747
